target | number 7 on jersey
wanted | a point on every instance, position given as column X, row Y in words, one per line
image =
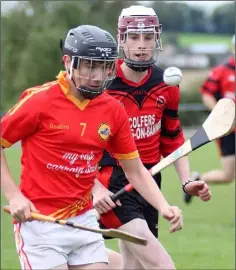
column 83, row 128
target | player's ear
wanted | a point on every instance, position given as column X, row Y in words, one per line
column 66, row 60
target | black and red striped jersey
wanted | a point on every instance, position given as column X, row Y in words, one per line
column 152, row 108
column 220, row 82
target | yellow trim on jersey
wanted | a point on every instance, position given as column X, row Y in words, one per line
column 30, row 92
column 65, row 88
column 72, row 209
column 5, row 143
column 132, row 155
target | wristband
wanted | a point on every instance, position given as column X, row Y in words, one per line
column 185, row 184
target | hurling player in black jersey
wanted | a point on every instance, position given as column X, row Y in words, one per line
column 152, row 107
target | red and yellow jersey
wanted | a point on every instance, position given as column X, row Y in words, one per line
column 152, row 108
column 62, row 141
column 221, row 81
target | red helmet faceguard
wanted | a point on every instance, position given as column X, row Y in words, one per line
column 145, row 24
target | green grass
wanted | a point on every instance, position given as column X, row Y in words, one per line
column 208, row 238
column 191, row 39
column 188, row 39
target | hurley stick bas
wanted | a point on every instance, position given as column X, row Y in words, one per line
column 107, row 232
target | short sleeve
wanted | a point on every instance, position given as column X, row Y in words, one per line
column 21, row 120
column 121, row 144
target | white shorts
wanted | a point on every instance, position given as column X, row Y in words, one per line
column 44, row 245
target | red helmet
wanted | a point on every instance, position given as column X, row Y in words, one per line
column 139, row 19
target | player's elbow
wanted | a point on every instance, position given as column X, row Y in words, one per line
column 136, row 178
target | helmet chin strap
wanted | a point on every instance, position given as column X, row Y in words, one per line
column 134, row 65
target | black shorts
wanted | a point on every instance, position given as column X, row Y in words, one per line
column 133, row 205
column 227, row 145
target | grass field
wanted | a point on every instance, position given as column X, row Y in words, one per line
column 207, row 240
column 188, row 39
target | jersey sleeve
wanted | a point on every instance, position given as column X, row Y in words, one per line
column 171, row 132
column 211, row 85
column 122, row 145
column 21, row 120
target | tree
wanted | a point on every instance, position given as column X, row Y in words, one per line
column 223, row 19
column 199, row 20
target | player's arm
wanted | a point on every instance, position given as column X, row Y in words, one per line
column 101, row 197
column 171, row 138
column 142, row 181
column 172, row 135
column 20, row 122
column 20, row 206
column 182, row 168
column 209, row 101
column 8, row 186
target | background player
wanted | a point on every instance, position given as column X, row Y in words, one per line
column 61, row 148
column 219, row 84
column 152, row 107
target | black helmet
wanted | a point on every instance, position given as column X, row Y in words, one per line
column 93, row 44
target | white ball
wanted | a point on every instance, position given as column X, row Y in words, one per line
column 172, row 76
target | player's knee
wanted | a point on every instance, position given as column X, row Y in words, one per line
column 229, row 176
column 228, row 179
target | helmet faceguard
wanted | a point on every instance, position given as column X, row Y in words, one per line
column 142, row 21
column 89, row 87
column 93, row 52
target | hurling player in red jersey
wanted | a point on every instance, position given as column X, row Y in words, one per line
column 152, row 107
column 64, row 126
column 220, row 84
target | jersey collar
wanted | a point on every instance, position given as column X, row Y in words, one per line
column 61, row 77
column 121, row 75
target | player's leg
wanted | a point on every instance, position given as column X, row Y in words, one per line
column 152, row 256
column 129, row 261
column 114, row 259
column 226, row 175
column 120, row 215
column 90, row 251
column 147, row 256
column 226, row 146
column 131, row 213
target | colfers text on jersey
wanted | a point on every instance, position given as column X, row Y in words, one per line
column 152, row 108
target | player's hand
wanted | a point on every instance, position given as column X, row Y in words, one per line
column 199, row 189
column 174, row 215
column 102, row 201
column 21, row 208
